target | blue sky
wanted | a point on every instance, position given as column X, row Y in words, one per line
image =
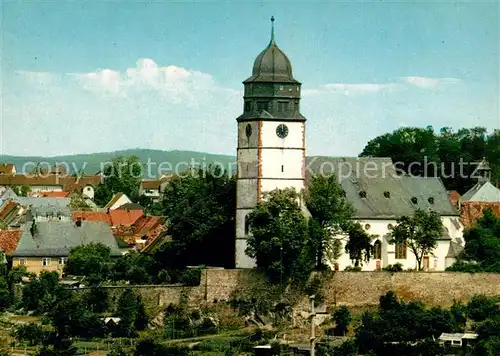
column 102, row 75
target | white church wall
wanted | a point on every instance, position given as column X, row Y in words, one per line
column 294, row 139
column 271, row 184
column 282, row 163
column 243, row 140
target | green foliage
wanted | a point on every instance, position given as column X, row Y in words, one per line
column 331, row 213
column 342, row 318
column 131, row 310
column 42, row 294
column 397, row 267
column 347, row 348
column 34, row 334
column 123, row 175
column 420, row 233
column 481, row 307
column 134, row 267
column 150, row 347
column 352, row 269
column 200, row 208
column 359, row 244
column 401, row 323
column 5, row 294
column 92, row 260
column 22, row 190
column 410, row 145
column 482, row 246
column 191, row 276
column 278, row 237
column 96, row 299
column 70, row 318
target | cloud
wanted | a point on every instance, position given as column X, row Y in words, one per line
column 429, row 83
column 160, row 106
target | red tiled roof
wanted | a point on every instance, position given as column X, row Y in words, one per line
column 471, row 212
column 454, row 197
column 49, row 194
column 7, row 209
column 68, row 183
column 124, row 217
column 91, row 216
column 151, row 184
column 9, row 240
column 147, row 228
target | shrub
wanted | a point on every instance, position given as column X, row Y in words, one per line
column 190, row 277
column 352, row 269
column 397, row 267
column 481, row 308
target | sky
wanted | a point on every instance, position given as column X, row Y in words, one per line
column 97, row 76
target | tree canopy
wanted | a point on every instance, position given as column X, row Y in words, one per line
column 278, row 236
column 419, row 233
column 122, row 175
column 441, row 153
column 200, row 209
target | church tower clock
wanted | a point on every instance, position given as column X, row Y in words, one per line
column 271, row 138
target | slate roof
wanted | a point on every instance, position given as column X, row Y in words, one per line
column 56, row 238
column 376, row 191
column 6, row 192
column 482, row 192
column 454, row 250
column 40, row 202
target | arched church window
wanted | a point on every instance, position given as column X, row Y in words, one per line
column 377, row 250
column 247, row 225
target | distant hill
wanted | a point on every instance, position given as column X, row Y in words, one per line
column 166, row 161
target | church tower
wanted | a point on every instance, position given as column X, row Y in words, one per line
column 271, row 138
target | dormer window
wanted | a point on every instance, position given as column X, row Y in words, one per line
column 362, row 194
column 414, row 200
column 431, row 200
column 387, row 194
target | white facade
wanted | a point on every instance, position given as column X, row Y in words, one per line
column 88, row 192
column 390, row 254
column 265, row 162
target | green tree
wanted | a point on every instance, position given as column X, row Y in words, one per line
column 5, row 294
column 481, row 307
column 43, row 293
column 278, row 236
column 359, row 244
column 96, row 299
column 92, row 260
column 482, row 245
column 342, row 317
column 331, row 213
column 123, row 175
column 200, row 208
column 419, row 233
column 127, row 309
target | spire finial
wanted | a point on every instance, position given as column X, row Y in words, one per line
column 272, row 29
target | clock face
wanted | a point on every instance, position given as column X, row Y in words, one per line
column 248, row 130
column 282, row 131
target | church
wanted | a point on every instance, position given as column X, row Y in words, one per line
column 271, row 154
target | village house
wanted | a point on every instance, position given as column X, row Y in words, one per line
column 51, row 182
column 50, row 234
column 117, row 200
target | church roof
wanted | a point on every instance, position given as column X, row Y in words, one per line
column 376, row 191
column 272, row 65
column 483, row 191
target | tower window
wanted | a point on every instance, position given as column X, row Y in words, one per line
column 247, row 225
column 282, row 168
column 262, row 105
column 248, row 105
column 282, row 106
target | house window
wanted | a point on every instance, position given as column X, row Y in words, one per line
column 401, row 251
column 62, row 261
column 377, row 250
column 46, row 261
column 22, row 262
column 367, row 227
